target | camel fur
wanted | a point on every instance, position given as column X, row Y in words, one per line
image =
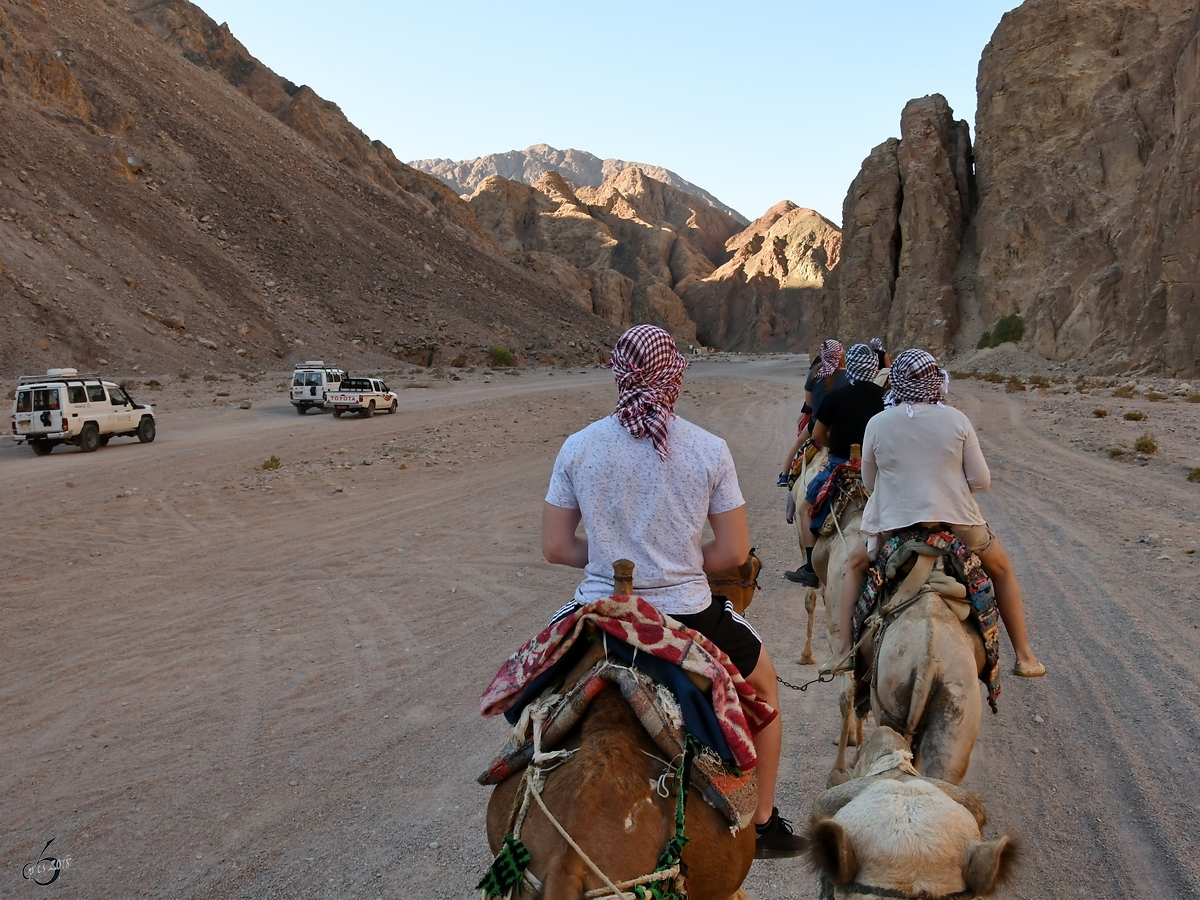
column 829, row 561
column 894, row 832
column 604, row 796
column 927, row 687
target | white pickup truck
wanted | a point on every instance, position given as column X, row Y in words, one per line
column 365, row 396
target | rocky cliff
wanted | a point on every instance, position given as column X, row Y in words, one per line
column 168, row 202
column 580, row 168
column 1078, row 207
column 766, row 296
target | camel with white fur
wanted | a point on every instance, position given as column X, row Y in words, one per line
column 892, row 833
column 604, row 797
column 928, row 662
column 829, row 561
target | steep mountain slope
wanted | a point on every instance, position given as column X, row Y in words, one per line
column 580, row 168
column 1081, row 212
column 167, row 202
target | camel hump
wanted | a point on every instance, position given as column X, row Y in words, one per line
column 622, row 578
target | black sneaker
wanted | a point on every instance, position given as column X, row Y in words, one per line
column 804, row 575
column 776, row 840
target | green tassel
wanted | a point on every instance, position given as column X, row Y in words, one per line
column 507, row 869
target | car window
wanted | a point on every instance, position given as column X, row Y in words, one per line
column 115, row 395
column 76, row 393
column 383, row 387
column 45, row 398
column 297, row 379
column 315, row 378
column 24, row 401
column 95, row 393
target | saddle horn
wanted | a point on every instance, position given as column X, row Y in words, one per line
column 622, row 578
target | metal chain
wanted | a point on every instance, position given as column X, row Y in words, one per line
column 820, row 679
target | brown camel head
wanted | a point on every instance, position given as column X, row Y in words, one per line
column 737, row 584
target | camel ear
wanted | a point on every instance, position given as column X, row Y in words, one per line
column 990, row 864
column 830, row 853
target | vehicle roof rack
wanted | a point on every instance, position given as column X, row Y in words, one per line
column 85, row 376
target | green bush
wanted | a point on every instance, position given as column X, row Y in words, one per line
column 1194, row 476
column 272, row 463
column 1134, row 416
column 1099, row 413
column 501, row 356
column 985, row 340
column 993, row 377
column 1014, row 385
column 1145, row 444
column 1009, row 328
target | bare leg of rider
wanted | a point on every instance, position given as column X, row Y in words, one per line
column 1008, row 600
column 768, row 743
column 856, row 573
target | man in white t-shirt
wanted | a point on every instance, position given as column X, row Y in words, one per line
column 643, row 482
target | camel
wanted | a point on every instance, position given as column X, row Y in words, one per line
column 890, row 832
column 929, row 661
column 829, row 561
column 605, row 797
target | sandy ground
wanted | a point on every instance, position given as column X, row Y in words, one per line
column 220, row 681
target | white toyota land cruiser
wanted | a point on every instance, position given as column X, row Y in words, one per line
column 64, row 407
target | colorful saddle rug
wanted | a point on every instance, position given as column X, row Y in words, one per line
column 883, row 578
column 729, row 790
column 740, row 713
column 842, row 485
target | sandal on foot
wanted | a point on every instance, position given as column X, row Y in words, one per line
column 1028, row 669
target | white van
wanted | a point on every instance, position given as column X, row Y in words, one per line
column 311, row 383
column 64, row 407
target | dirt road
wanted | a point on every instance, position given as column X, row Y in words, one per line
column 223, row 681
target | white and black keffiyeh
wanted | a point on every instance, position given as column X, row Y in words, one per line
column 648, row 369
column 862, row 364
column 916, row 378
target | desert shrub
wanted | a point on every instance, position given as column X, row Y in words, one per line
column 1134, row 416
column 1156, row 395
column 993, row 377
column 1014, row 385
column 185, row 375
column 1145, row 444
column 1116, row 452
column 985, row 340
column 957, row 375
column 1009, row 328
column 272, row 463
column 1194, row 475
column 1099, row 413
column 1125, row 392
column 1193, row 398
column 209, row 376
column 1040, row 381
column 501, row 356
column 154, row 384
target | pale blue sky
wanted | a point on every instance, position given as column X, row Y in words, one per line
column 755, row 101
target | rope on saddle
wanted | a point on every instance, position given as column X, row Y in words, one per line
column 509, row 869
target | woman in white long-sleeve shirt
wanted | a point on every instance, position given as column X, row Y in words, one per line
column 921, row 461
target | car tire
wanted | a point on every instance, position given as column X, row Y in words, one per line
column 301, row 408
column 337, row 413
column 370, row 410
column 89, row 438
column 146, row 430
column 104, row 439
column 41, row 448
column 395, row 405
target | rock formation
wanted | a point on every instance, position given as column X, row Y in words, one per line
column 1088, row 138
column 580, row 168
column 767, row 295
column 904, row 219
column 1081, row 212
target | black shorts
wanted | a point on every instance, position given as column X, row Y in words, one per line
column 721, row 624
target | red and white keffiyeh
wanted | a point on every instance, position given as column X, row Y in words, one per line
column 648, row 369
column 831, row 358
